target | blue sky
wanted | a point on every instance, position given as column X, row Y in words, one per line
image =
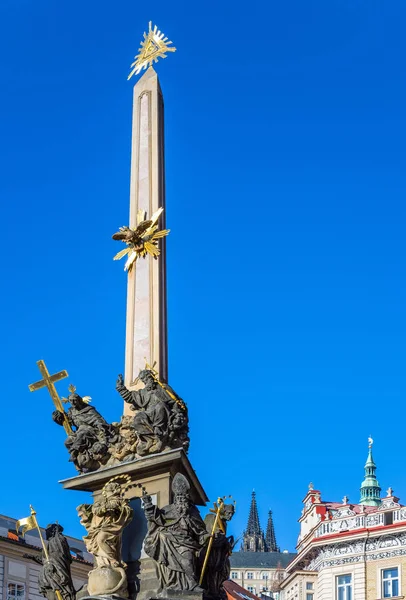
column 285, row 158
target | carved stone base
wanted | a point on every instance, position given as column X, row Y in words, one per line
column 108, row 581
column 155, row 473
column 104, row 597
column 178, row 595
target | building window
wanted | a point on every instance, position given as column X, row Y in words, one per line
column 309, row 585
column 250, row 589
column 344, row 587
column 15, row 591
column 309, row 596
column 390, row 583
column 234, row 575
column 388, row 518
column 250, row 575
column 265, row 575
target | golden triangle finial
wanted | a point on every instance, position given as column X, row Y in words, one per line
column 154, row 45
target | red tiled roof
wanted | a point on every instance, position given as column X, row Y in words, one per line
column 236, row 592
column 357, row 508
column 19, row 542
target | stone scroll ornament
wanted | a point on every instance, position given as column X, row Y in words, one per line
column 161, row 421
column 104, row 521
column 176, row 534
column 215, row 559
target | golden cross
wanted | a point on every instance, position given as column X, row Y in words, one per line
column 48, row 381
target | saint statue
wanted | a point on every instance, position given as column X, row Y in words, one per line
column 55, row 574
column 176, row 534
column 104, row 521
column 88, row 444
column 161, row 420
column 218, row 563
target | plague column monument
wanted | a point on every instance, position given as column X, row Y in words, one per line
column 143, row 527
column 152, row 437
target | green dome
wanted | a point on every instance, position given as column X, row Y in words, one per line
column 370, row 489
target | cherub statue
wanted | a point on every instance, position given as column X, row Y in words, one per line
column 142, row 240
column 176, row 534
column 91, row 437
column 126, row 447
column 104, row 521
column 55, row 575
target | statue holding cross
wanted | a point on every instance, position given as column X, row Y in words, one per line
column 49, row 381
column 89, row 434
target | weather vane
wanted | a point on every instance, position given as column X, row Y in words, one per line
column 154, row 45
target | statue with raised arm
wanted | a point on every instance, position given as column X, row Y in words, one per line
column 55, row 574
column 92, row 435
column 161, row 419
column 176, row 534
column 104, row 521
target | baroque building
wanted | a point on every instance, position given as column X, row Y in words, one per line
column 350, row 551
column 259, row 566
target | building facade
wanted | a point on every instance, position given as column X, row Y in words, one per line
column 19, row 574
column 350, row 551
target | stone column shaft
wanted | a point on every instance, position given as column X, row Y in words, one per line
column 146, row 330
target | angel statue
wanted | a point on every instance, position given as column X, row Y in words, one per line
column 142, row 240
column 104, row 521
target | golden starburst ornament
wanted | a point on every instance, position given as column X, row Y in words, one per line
column 154, row 45
column 141, row 240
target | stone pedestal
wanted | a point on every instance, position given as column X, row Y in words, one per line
column 155, row 473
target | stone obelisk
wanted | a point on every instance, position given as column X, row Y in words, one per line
column 146, row 341
column 146, row 329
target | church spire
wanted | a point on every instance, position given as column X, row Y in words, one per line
column 370, row 489
column 253, row 526
column 270, row 538
column 253, row 537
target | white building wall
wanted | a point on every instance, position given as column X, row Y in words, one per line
column 327, row 581
column 1, row 576
column 257, row 583
column 33, row 593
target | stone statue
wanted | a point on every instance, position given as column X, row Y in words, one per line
column 55, row 574
column 92, row 435
column 176, row 534
column 104, row 521
column 218, row 564
column 161, row 420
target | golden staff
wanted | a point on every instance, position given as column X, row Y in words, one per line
column 32, row 523
column 162, row 385
column 217, row 522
